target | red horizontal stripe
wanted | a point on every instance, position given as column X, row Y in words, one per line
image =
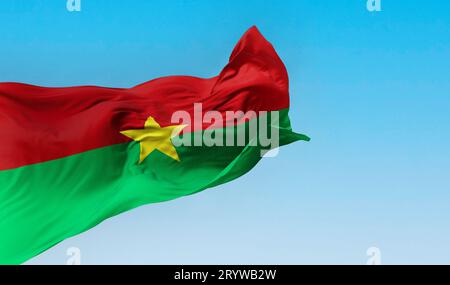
column 38, row 124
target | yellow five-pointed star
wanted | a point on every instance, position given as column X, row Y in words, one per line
column 152, row 137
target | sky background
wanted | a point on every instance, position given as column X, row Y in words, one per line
column 370, row 89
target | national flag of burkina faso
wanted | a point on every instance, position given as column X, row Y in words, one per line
column 73, row 157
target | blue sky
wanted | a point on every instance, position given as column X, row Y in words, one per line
column 370, row 89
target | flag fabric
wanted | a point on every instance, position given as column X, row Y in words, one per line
column 73, row 157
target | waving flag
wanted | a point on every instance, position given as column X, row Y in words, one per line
column 73, row 157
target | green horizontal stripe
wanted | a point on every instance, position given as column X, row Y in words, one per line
column 43, row 204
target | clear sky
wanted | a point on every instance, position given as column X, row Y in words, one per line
column 370, row 89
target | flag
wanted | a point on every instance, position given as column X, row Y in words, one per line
column 72, row 157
